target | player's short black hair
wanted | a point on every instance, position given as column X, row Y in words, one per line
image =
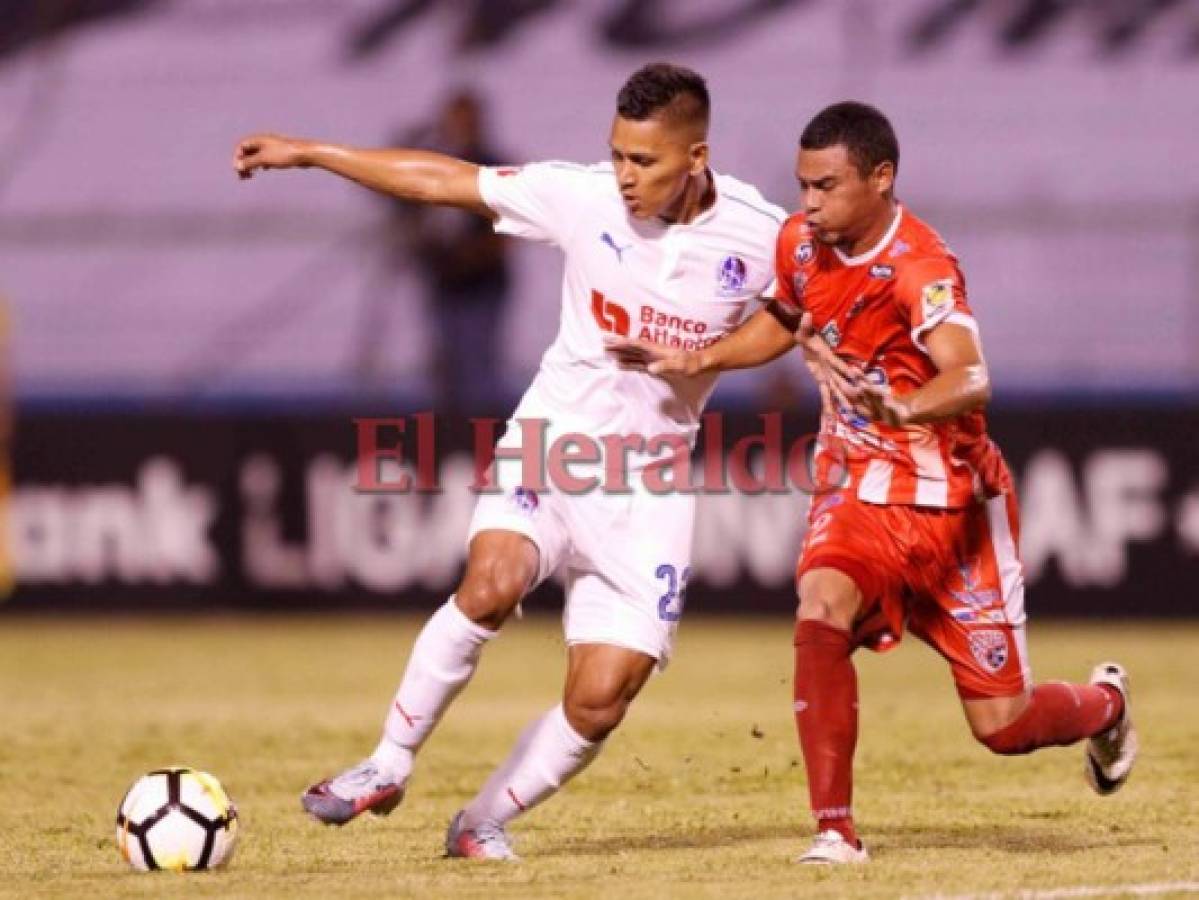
column 860, row 128
column 673, row 92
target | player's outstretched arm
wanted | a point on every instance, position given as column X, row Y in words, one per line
column 416, row 175
column 961, row 385
column 766, row 335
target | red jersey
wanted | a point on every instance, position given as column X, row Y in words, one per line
column 875, row 309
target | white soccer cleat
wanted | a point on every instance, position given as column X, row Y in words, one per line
column 358, row 789
column 831, row 849
column 483, row 842
column 1110, row 755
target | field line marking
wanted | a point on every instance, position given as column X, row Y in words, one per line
column 1099, row 890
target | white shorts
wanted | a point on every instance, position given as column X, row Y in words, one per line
column 626, row 558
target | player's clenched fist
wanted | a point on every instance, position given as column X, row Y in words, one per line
column 267, row 151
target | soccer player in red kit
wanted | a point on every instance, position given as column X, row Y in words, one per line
column 919, row 526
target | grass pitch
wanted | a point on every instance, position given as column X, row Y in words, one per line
column 700, row 794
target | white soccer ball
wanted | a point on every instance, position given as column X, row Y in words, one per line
column 177, row 819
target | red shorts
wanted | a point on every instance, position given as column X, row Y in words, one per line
column 953, row 576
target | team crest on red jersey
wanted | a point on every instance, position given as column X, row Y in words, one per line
column 805, row 252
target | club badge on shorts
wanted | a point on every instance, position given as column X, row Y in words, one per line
column 989, row 648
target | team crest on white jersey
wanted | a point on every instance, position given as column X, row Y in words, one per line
column 524, row 500
column 732, row 276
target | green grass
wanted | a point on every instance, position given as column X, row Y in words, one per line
column 700, row 794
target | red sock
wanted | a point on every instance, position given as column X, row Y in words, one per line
column 826, row 714
column 1059, row 714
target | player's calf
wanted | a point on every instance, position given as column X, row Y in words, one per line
column 1057, row 714
column 593, row 721
column 601, row 682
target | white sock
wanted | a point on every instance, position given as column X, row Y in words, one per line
column 443, row 660
column 547, row 755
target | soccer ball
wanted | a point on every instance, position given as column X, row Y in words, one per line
column 177, row 819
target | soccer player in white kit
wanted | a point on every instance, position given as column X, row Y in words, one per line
column 657, row 246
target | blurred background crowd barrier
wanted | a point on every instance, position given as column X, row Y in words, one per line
column 172, row 512
column 186, row 352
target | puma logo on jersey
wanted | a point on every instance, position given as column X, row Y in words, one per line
column 610, row 241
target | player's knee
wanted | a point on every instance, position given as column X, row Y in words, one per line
column 491, row 589
column 594, row 718
column 1007, row 741
column 828, row 596
column 1003, row 724
column 816, row 608
column 828, row 607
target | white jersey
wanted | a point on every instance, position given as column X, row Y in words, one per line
column 679, row 285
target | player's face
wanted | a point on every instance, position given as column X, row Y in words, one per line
column 653, row 160
column 838, row 201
